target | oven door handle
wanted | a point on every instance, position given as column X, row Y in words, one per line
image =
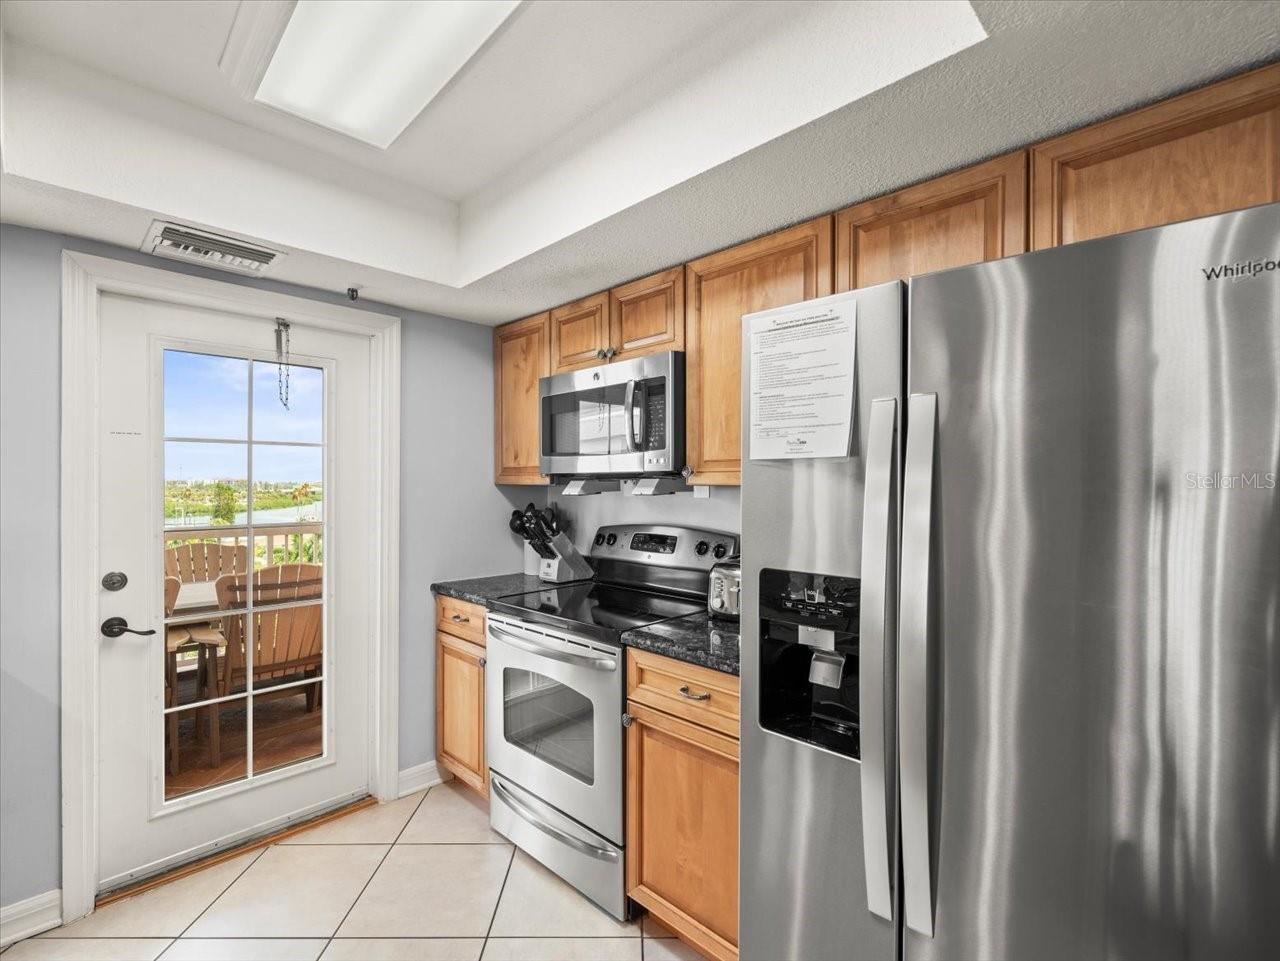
column 546, row 827
column 594, row 661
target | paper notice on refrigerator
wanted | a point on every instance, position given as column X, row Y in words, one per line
column 802, row 364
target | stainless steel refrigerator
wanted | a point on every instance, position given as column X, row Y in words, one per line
column 1047, row 586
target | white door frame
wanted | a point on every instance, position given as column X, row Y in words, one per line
column 84, row 279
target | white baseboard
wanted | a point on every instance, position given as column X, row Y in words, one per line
column 420, row 777
column 22, row 919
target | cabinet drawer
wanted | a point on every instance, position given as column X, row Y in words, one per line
column 460, row 618
column 696, row 694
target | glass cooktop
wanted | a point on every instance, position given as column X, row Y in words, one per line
column 602, row 610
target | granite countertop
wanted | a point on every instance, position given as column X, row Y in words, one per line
column 694, row 638
column 477, row 590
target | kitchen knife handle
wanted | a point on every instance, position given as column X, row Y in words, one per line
column 915, row 664
column 875, row 654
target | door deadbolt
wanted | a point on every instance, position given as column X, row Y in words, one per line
column 114, row 580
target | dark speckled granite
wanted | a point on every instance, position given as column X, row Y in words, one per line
column 695, row 638
column 477, row 590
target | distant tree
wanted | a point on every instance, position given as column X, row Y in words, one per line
column 224, row 503
column 302, row 494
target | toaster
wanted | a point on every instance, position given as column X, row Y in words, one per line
column 725, row 588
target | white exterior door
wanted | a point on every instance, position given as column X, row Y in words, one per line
column 235, row 496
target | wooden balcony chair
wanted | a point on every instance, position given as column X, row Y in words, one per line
column 287, row 643
column 174, row 638
column 205, row 562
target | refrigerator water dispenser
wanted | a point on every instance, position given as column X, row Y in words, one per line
column 809, row 658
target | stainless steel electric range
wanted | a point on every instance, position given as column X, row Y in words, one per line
column 555, row 692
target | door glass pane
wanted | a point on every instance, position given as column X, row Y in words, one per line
column 222, row 556
column 303, row 419
column 205, row 396
column 205, row 747
column 288, row 726
column 550, row 721
column 288, row 641
column 288, row 484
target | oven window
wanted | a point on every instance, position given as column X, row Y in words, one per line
column 550, row 721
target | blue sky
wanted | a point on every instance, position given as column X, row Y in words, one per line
column 207, row 396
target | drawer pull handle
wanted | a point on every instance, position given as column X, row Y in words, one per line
column 685, row 692
column 459, row 619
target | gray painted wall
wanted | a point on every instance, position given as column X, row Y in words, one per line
column 453, row 522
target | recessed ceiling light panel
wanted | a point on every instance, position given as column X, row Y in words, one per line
column 367, row 68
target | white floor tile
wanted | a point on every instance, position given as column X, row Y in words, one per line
column 451, row 814
column 653, row 928
column 245, row 949
column 669, row 949
column 431, row 890
column 292, row 891
column 562, row 949
column 404, row 949
column 87, row 949
column 537, row 904
column 380, row 824
column 164, row 911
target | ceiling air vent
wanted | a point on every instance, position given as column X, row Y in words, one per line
column 201, row 247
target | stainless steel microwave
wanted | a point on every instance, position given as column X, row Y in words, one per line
column 619, row 419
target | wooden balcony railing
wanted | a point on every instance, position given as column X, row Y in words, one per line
column 301, row 543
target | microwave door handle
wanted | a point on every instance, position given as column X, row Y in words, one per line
column 915, row 747
column 876, row 671
column 628, row 404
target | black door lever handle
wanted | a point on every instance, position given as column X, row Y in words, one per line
column 115, row 626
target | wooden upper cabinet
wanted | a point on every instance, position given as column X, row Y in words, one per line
column 1206, row 152
column 965, row 217
column 782, row 268
column 647, row 315
column 521, row 355
column 580, row 333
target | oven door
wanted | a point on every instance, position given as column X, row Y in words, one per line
column 553, row 720
column 625, row 418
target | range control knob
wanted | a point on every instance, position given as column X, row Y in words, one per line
column 611, row 539
column 599, row 539
column 717, row 603
column 720, row 551
column 702, row 548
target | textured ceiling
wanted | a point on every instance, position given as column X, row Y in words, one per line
column 1047, row 67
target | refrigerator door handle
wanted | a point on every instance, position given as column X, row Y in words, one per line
column 875, row 653
column 915, row 687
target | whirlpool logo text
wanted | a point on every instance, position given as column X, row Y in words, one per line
column 1242, row 270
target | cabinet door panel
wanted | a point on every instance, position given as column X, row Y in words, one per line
column 782, row 268
column 521, row 355
column 682, row 828
column 647, row 315
column 460, row 710
column 1206, row 152
column 963, row 218
column 579, row 333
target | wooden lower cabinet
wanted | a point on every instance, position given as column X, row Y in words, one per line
column 460, row 706
column 682, row 827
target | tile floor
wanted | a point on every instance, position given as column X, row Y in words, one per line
column 419, row 879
